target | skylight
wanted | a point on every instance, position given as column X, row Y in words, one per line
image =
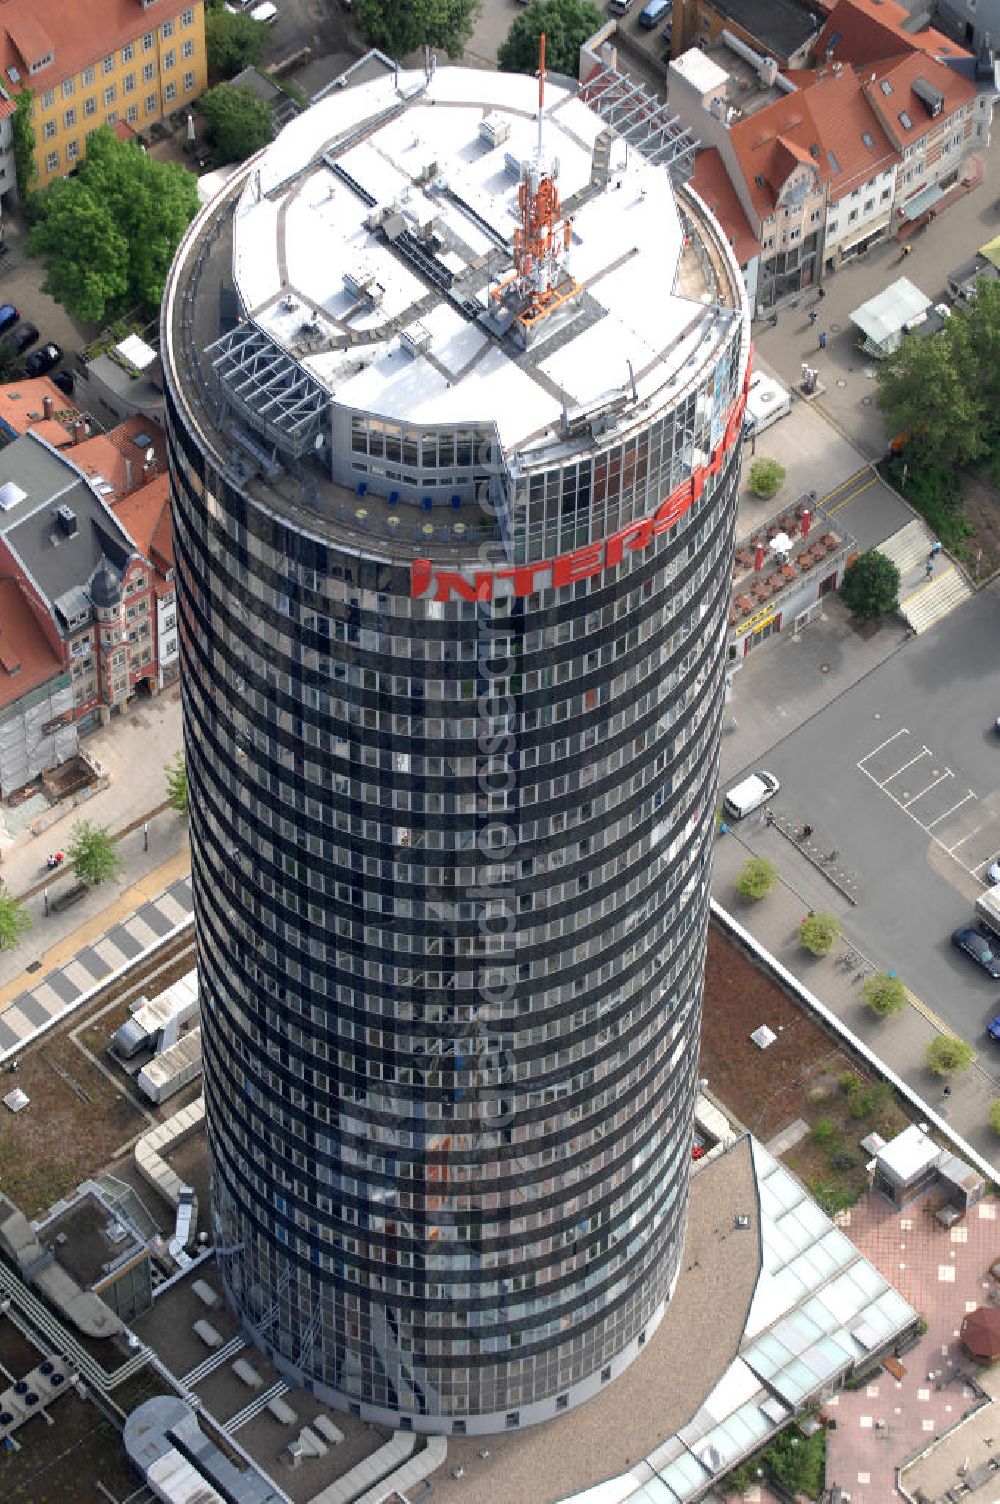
column 905, row 121
column 885, row 86
column 832, row 159
column 868, row 138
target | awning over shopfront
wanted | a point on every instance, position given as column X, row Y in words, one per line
column 991, row 250
column 922, row 201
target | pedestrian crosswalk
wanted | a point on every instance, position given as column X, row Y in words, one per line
column 37, row 1008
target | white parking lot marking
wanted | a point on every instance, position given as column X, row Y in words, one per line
column 892, row 738
column 952, row 839
column 914, row 797
column 925, row 753
column 969, row 795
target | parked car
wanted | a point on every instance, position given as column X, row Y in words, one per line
column 8, row 317
column 750, row 795
column 42, row 359
column 977, row 949
column 993, row 1028
column 65, row 381
column 23, row 336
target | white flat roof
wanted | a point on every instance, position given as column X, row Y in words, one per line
column 299, row 230
column 699, row 70
column 909, row 1154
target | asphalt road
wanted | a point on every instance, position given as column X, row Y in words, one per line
column 901, row 776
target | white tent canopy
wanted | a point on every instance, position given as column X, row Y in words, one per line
column 885, row 316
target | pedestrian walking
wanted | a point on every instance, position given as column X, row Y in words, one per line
column 935, row 548
column 907, row 251
column 822, row 339
column 813, row 315
column 928, row 569
column 821, row 294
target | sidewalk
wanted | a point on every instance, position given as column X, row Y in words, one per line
column 901, row 1041
column 51, row 986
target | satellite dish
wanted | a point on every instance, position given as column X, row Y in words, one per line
column 150, row 455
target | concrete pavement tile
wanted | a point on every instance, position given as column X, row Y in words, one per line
column 107, row 951
column 173, row 909
column 151, row 915
column 78, row 976
column 15, row 1023
column 124, row 942
column 65, row 990
column 141, row 931
column 40, row 1004
column 9, row 1037
column 95, row 967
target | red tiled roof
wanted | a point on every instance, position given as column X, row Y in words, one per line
column 78, row 33
column 825, row 124
column 22, row 406
column 26, row 657
column 711, row 181
column 118, row 459
column 898, row 76
column 771, row 143
column 844, row 118
column 869, row 31
column 145, row 516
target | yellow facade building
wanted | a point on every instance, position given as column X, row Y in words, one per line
column 124, row 63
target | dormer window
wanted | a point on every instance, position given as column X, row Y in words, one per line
column 42, row 62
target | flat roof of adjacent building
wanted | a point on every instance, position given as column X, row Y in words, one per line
column 780, row 26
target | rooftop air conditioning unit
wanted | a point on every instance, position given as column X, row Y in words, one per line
column 66, row 521
column 415, row 340
column 494, row 130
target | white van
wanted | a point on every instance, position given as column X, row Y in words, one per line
column 750, row 795
column 767, row 401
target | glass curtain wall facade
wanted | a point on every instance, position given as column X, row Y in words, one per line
column 451, row 875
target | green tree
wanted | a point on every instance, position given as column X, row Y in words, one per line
column 86, row 258
column 949, row 1056
column 884, row 994
column 566, row 23
column 766, row 478
column 93, row 853
column 929, row 390
column 870, row 586
column 11, row 363
column 406, row 25
column 757, row 878
column 994, row 1116
column 239, row 123
column 232, row 42
column 25, row 165
column 15, row 921
column 108, row 235
column 819, row 932
column 177, row 783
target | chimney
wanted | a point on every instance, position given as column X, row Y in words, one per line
column 47, row 406
column 79, row 431
column 128, row 474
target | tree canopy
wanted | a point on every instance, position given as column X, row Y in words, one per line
column 239, row 123
column 766, row 477
column 232, row 42
column 757, row 878
column 15, row 921
column 175, row 772
column 108, row 235
column 948, row 1055
column 819, row 932
column 93, row 853
column 943, row 391
column 870, row 587
column 884, row 994
column 566, row 23
column 405, row 25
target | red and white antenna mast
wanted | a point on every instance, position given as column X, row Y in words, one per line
column 540, row 281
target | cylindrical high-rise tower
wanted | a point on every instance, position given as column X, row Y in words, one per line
column 455, row 469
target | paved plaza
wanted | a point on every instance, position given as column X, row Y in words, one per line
column 943, row 1273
